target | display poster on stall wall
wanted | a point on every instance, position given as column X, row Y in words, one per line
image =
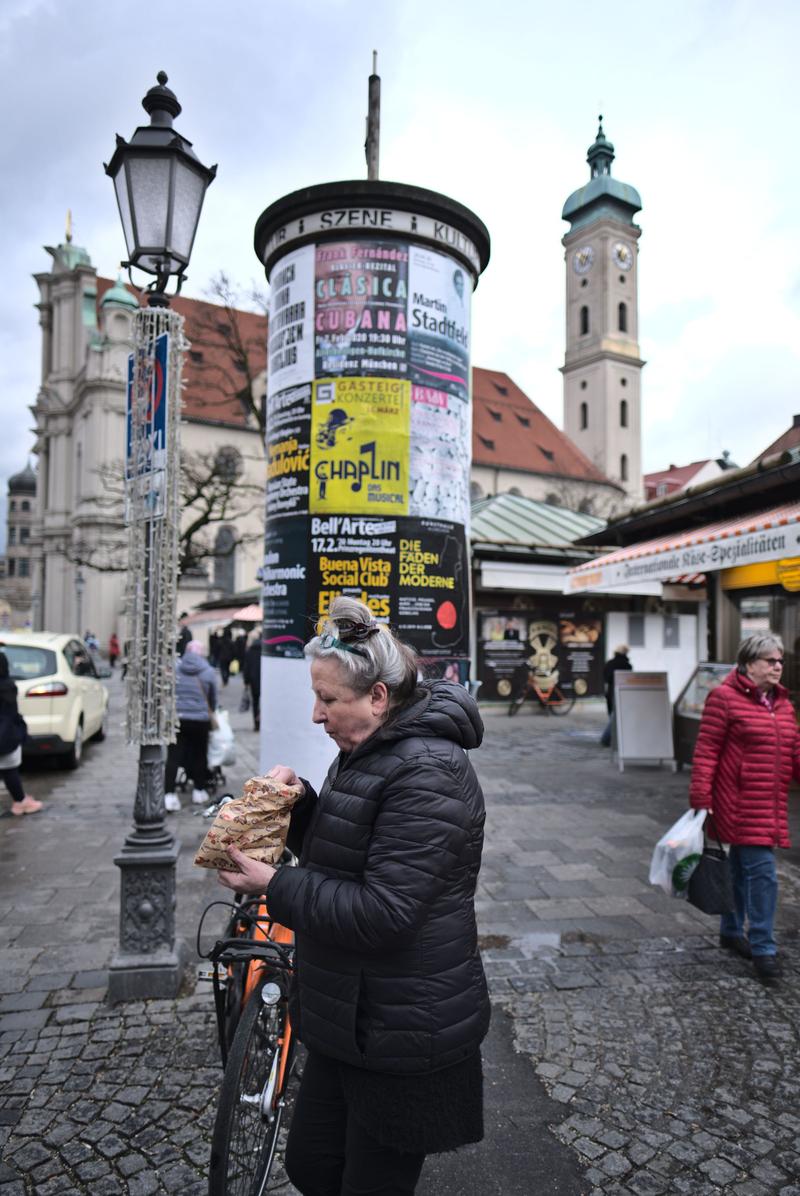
column 559, row 645
column 440, row 454
column 360, row 308
column 432, row 586
column 360, row 446
column 288, row 451
column 438, row 322
column 290, row 348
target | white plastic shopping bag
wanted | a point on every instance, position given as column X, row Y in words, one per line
column 677, row 853
column 221, row 743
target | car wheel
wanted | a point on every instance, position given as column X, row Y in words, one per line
column 72, row 758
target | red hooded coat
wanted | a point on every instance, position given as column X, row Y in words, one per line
column 743, row 763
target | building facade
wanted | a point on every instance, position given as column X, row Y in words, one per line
column 16, row 588
column 602, row 365
column 78, row 537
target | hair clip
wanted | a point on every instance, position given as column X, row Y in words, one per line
column 330, row 641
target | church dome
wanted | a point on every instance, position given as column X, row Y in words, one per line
column 23, row 482
column 602, row 195
column 119, row 295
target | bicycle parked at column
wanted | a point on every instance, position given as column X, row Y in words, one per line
column 546, row 691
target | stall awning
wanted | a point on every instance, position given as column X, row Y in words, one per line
column 249, row 614
column 764, row 536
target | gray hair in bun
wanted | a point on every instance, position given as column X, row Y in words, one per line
column 367, row 651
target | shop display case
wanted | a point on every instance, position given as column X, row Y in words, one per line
column 689, row 707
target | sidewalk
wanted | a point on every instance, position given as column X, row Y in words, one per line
column 628, row 1054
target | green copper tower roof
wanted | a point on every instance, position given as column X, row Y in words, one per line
column 120, row 295
column 602, row 195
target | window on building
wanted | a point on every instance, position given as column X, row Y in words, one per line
column 623, row 317
column 12, row 506
column 623, row 381
column 623, row 467
column 548, row 453
column 635, row 631
column 26, row 506
column 623, row 413
column 12, row 567
column 486, row 442
column 12, row 535
column 24, row 567
column 584, row 384
column 672, row 631
column 584, row 416
column 225, row 560
column 497, row 416
column 503, row 390
column 584, row 322
column 24, row 535
column 661, row 489
column 523, row 419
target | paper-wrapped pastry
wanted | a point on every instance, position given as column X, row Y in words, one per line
column 256, row 823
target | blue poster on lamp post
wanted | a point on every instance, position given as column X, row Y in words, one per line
column 146, row 429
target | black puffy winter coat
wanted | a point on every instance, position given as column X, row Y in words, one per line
column 389, row 976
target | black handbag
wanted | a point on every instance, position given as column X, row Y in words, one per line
column 711, row 883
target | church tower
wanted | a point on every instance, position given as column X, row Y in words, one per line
column 602, row 367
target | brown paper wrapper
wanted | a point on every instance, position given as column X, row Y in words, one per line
column 256, row 823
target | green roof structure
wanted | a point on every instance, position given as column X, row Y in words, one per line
column 602, row 195
column 510, row 524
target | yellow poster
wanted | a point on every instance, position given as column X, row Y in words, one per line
column 360, row 446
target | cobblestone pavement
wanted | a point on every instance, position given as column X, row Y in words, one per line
column 668, row 1067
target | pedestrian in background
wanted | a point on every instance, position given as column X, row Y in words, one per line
column 21, row 802
column 113, row 649
column 225, row 655
column 618, row 661
column 252, row 676
column 391, row 1000
column 184, row 635
column 748, row 748
column 195, row 701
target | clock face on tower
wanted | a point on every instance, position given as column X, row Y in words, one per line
column 582, row 259
column 621, row 255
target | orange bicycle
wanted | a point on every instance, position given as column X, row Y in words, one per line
column 250, row 969
column 548, row 693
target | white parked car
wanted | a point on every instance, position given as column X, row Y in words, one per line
column 59, row 692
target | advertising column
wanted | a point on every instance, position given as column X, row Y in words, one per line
column 368, row 432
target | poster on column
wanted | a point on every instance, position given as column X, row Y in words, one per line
column 291, row 312
column 288, row 451
column 360, row 446
column 439, row 465
column 432, row 587
column 354, row 555
column 438, row 322
column 360, row 321
column 284, row 599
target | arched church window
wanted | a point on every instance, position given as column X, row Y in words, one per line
column 225, row 560
column 623, row 468
column 623, row 413
column 623, row 317
column 584, row 321
column 584, row 416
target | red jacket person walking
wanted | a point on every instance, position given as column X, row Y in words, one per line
column 747, row 750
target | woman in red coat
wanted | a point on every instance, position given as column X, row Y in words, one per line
column 747, row 750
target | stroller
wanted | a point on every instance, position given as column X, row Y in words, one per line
column 221, row 753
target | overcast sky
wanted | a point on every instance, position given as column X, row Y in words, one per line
column 492, row 104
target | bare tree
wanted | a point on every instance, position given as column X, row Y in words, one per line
column 586, row 499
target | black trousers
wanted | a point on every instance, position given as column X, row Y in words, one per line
column 189, row 751
column 13, row 783
column 329, row 1154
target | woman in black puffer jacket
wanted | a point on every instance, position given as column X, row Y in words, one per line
column 391, row 999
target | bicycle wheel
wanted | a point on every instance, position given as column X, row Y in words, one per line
column 516, row 705
column 558, row 703
column 251, row 1099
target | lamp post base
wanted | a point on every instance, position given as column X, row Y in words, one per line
column 148, row 962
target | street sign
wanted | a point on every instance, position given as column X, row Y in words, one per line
column 146, row 429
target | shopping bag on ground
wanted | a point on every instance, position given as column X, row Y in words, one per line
column 221, row 742
column 677, row 853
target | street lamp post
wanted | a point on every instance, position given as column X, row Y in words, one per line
column 160, row 187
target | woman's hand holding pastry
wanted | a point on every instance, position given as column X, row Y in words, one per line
column 284, row 775
column 252, row 877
